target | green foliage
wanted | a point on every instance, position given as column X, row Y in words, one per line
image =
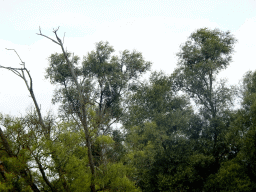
column 14, row 161
column 207, row 50
column 115, row 177
column 159, row 123
column 245, row 128
column 231, row 177
column 111, row 80
column 237, row 173
column 155, row 102
column 103, row 83
column 103, row 79
column 58, row 72
column 164, row 145
column 202, row 57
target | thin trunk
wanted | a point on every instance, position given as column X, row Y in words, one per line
column 30, row 89
column 82, row 115
column 213, row 113
column 90, row 156
column 2, row 170
column 46, row 134
column 210, row 100
column 44, row 176
column 82, row 118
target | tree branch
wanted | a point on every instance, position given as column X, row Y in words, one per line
column 29, row 85
column 23, row 63
column 46, row 36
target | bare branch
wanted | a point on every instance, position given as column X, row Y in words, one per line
column 31, row 83
column 20, row 72
column 23, row 63
column 11, row 68
column 46, row 36
column 14, row 70
column 55, row 32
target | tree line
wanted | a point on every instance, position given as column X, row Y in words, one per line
column 179, row 132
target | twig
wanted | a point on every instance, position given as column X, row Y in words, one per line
column 55, row 32
column 47, row 36
column 23, row 63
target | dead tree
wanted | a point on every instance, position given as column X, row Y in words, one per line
column 22, row 72
column 82, row 107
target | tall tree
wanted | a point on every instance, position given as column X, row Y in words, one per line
column 91, row 94
column 244, row 132
column 237, row 173
column 201, row 58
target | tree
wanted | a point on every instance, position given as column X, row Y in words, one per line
column 43, row 126
column 243, row 133
column 16, row 155
column 237, row 173
column 201, row 58
column 95, row 110
column 165, row 144
column 59, row 148
column 160, row 132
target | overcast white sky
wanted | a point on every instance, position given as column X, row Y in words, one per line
column 154, row 27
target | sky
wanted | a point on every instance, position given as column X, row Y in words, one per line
column 156, row 28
